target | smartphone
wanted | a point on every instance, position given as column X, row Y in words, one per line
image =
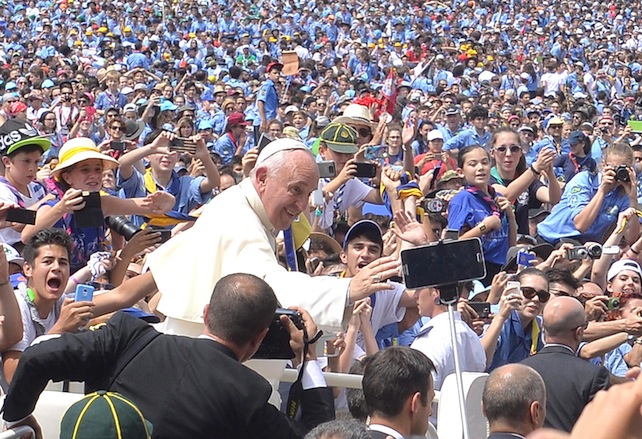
column 514, row 286
column 22, row 216
column 443, row 263
column 451, row 234
column 264, row 141
column 92, row 214
column 481, row 308
column 329, row 350
column 314, row 263
column 276, row 344
column 327, row 169
column 117, row 146
column 84, row 293
column 365, row 170
column 165, row 234
column 524, row 258
column 183, row 144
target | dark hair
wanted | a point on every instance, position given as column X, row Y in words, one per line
column 241, row 306
column 507, row 397
column 521, row 163
column 562, row 276
column 531, row 271
column 461, row 158
column 339, row 428
column 26, row 149
column 394, row 375
column 477, row 111
column 44, row 237
column 354, row 397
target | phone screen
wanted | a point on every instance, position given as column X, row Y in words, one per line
column 443, row 263
column 92, row 214
column 365, row 170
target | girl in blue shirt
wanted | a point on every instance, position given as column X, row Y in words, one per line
column 479, row 212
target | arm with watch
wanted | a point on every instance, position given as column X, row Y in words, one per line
column 543, row 164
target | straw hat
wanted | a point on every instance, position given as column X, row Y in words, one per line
column 355, row 114
column 78, row 150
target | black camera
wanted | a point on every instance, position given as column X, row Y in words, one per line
column 433, row 205
column 121, row 225
column 276, row 344
column 622, row 173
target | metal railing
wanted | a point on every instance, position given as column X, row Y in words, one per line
column 18, row 432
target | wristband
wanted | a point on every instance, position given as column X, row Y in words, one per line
column 635, row 252
column 74, row 280
column 534, row 171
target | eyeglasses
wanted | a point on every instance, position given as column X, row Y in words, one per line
column 514, row 149
column 637, row 159
column 66, row 93
column 559, row 293
column 99, row 286
column 117, row 128
column 606, row 124
column 364, row 132
column 583, row 326
column 529, row 293
column 555, row 127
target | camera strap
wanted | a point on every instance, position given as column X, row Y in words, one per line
column 296, row 390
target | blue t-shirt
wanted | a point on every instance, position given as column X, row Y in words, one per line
column 515, row 342
column 577, row 194
column 186, row 189
column 466, row 211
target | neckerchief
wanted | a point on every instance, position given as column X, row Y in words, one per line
column 151, row 185
column 487, row 198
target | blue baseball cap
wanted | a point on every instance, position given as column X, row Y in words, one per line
column 168, row 106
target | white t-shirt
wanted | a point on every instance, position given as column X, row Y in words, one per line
column 354, row 193
column 36, row 193
column 28, row 328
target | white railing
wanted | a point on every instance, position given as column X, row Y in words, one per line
column 18, row 432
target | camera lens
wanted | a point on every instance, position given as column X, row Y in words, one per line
column 582, row 253
column 121, row 225
column 621, row 173
column 594, row 251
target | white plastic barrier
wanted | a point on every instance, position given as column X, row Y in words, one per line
column 448, row 412
column 50, row 408
column 18, row 432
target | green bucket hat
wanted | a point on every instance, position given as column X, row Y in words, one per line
column 340, row 138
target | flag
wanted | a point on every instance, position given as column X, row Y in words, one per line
column 389, row 90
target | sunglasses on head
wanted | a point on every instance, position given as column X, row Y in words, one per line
column 514, row 149
column 529, row 293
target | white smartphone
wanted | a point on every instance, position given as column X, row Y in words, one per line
column 514, row 286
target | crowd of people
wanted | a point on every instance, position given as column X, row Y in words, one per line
column 154, row 151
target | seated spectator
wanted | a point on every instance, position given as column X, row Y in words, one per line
column 435, row 342
column 515, row 332
column 43, row 306
column 479, row 212
column 161, row 177
column 104, row 415
column 81, row 170
column 579, row 159
column 591, row 202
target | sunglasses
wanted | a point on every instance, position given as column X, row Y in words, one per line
column 118, row 128
column 514, row 149
column 98, row 286
column 364, row 132
column 529, row 293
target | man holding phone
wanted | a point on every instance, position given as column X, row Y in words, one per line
column 44, row 308
column 190, row 192
column 338, row 142
column 21, row 149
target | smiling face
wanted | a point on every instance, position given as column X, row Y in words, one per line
column 476, row 167
column 49, row 272
column 86, row 175
column 506, row 151
column 626, row 281
column 285, row 191
column 531, row 308
column 161, row 162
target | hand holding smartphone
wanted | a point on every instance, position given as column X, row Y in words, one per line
column 84, row 293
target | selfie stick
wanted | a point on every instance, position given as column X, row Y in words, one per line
column 449, row 297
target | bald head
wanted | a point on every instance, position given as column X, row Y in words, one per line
column 561, row 316
column 508, row 397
